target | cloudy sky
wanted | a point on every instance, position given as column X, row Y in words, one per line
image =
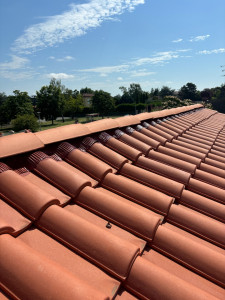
column 105, row 44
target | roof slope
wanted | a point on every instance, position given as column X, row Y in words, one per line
column 127, row 208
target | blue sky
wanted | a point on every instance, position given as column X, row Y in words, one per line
column 105, row 44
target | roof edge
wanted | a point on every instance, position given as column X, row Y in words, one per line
column 24, row 142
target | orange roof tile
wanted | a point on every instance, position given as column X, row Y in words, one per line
column 110, row 213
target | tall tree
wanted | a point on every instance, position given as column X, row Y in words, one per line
column 189, row 91
column 86, row 90
column 218, row 101
column 50, row 100
column 3, row 116
column 166, row 91
column 134, row 94
column 17, row 105
column 102, row 103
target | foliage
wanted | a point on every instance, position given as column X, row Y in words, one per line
column 218, row 99
column 103, row 103
column 134, row 94
column 166, row 91
column 189, row 91
column 3, row 116
column 173, row 101
column 86, row 91
column 50, row 100
column 25, row 122
column 125, row 108
column 17, row 104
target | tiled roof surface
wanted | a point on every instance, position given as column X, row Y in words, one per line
column 127, row 208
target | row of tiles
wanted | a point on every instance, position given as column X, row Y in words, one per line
column 87, row 192
column 20, row 143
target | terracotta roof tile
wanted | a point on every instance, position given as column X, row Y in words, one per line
column 28, row 198
column 164, row 170
column 207, row 190
column 100, row 125
column 11, row 221
column 152, row 135
column 158, row 182
column 119, row 210
column 108, row 227
column 136, row 192
column 197, row 257
column 133, row 142
column 58, row 174
column 127, row 121
column 62, row 133
column 142, row 137
column 184, row 274
column 195, row 222
column 89, row 240
column 87, row 163
column 19, row 143
column 100, row 151
column 204, row 205
column 173, row 161
column 120, row 147
column 116, row 209
column 149, row 281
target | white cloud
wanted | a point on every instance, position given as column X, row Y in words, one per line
column 140, row 73
column 60, row 76
column 107, row 69
column 199, row 38
column 215, row 51
column 177, row 41
column 159, row 58
column 72, row 23
column 15, row 75
column 15, row 63
column 62, row 59
column 120, row 78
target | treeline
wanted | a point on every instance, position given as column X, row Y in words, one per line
column 55, row 100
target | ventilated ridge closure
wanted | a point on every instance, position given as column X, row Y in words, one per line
column 153, row 123
column 104, row 137
column 35, row 158
column 118, row 133
column 22, row 171
column 145, row 124
column 64, row 149
column 4, row 167
column 55, row 157
column 88, row 142
column 139, row 127
column 82, row 148
column 129, row 130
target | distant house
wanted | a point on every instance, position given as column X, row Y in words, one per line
column 87, row 99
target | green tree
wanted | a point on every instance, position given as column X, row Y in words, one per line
column 218, row 99
column 26, row 121
column 166, row 91
column 50, row 100
column 18, row 104
column 173, row 101
column 189, row 91
column 154, row 94
column 86, row 90
column 134, row 94
column 103, row 103
column 125, row 98
column 3, row 116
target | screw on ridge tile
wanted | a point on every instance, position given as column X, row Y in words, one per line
column 108, row 225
